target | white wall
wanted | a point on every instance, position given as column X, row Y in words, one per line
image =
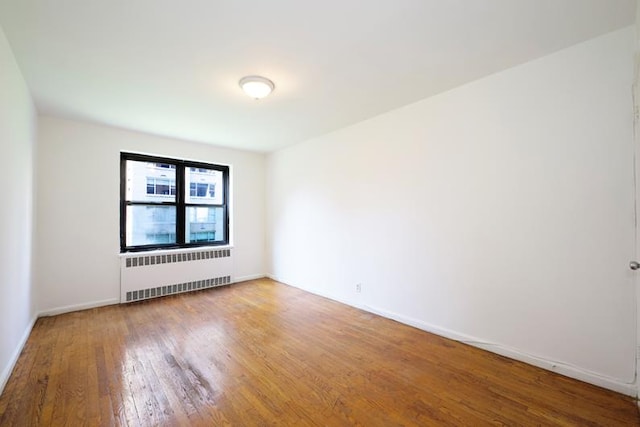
column 78, row 208
column 18, row 121
column 500, row 212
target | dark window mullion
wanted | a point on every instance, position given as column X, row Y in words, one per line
column 140, row 248
column 123, row 205
column 134, row 203
column 180, row 208
column 203, row 205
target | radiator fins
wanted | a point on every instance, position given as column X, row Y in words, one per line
column 160, row 291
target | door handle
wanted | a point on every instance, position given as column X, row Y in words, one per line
column 634, row 265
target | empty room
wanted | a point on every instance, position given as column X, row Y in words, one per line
column 380, row 213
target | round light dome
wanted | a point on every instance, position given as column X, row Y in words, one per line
column 256, row 87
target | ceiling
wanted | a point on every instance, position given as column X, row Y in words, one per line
column 171, row 67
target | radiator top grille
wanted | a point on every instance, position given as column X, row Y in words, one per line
column 143, row 260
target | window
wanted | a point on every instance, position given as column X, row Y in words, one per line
column 172, row 203
column 162, row 187
column 199, row 189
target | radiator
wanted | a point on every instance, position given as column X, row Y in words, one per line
column 144, row 276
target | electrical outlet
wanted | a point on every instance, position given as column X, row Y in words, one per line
column 358, row 287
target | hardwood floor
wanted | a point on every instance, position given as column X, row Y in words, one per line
column 262, row 353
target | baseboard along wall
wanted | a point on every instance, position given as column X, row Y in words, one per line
column 629, row 389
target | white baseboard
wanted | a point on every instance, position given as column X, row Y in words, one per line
column 111, row 301
column 512, row 353
column 249, row 277
column 78, row 307
column 322, row 294
column 6, row 372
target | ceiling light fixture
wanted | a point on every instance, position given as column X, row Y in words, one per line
column 256, row 86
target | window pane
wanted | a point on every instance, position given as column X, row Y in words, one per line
column 204, row 224
column 150, row 182
column 148, row 225
column 162, row 186
column 202, row 190
column 205, row 186
column 151, row 186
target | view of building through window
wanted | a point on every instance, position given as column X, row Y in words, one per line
column 151, row 214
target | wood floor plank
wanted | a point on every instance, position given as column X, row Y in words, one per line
column 262, row 353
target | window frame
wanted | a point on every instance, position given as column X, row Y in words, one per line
column 181, row 165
